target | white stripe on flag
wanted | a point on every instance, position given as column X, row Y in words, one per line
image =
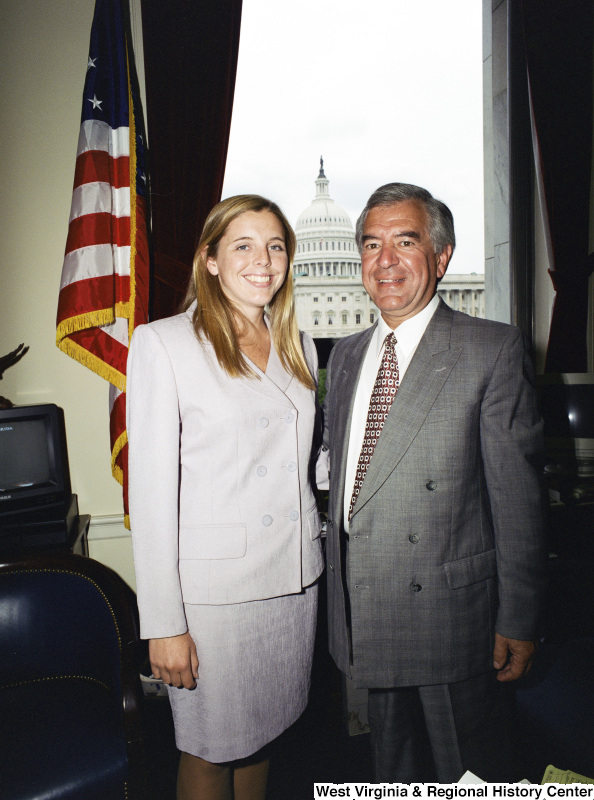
column 95, row 261
column 97, row 135
column 114, row 393
column 118, row 330
column 97, row 198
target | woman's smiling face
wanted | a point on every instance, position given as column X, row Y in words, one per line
column 251, row 261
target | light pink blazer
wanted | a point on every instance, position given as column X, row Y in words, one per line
column 221, row 504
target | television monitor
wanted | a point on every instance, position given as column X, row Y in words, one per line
column 36, row 499
column 567, row 407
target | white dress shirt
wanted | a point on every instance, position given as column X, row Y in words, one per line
column 408, row 335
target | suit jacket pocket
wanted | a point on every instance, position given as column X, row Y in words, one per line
column 472, row 569
column 212, row 541
column 314, row 523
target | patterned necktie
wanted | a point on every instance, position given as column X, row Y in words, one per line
column 382, row 397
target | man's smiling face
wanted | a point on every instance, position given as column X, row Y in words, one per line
column 399, row 264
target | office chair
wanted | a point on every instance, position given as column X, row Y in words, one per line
column 70, row 717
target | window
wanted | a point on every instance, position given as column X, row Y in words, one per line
column 329, row 320
column 315, row 299
column 357, row 319
column 329, row 298
column 344, row 318
column 343, row 299
column 372, row 317
column 308, row 98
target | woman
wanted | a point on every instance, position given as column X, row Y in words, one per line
column 221, row 422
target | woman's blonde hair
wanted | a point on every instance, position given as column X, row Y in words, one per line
column 218, row 319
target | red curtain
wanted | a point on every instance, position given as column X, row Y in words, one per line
column 559, row 53
column 190, row 53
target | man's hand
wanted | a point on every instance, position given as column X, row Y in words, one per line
column 174, row 660
column 512, row 657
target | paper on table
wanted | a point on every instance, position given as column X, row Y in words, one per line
column 554, row 775
column 470, row 777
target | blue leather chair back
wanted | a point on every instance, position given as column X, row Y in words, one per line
column 55, row 623
column 70, row 695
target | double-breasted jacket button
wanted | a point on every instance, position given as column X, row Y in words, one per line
column 294, row 516
column 267, row 520
column 331, row 567
column 263, row 422
column 413, row 538
column 289, row 417
column 261, row 470
column 416, row 587
column 431, row 485
column 292, row 466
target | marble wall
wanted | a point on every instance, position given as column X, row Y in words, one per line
column 496, row 146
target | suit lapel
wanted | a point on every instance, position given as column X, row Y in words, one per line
column 344, row 387
column 271, row 384
column 425, row 377
column 275, row 382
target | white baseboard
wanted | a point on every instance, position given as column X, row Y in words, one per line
column 109, row 526
column 110, row 543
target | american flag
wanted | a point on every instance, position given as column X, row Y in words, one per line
column 104, row 290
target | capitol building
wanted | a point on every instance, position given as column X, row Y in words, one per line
column 329, row 296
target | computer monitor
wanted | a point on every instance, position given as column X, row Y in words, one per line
column 567, row 406
column 36, row 500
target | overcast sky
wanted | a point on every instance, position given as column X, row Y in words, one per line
column 385, row 90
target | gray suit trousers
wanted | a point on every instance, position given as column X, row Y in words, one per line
column 422, row 734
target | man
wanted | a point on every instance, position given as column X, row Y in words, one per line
column 435, row 548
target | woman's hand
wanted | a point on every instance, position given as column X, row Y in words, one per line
column 174, row 660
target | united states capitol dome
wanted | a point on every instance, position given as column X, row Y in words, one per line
column 329, row 297
column 325, row 236
column 323, row 214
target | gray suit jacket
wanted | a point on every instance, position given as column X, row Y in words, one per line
column 446, row 540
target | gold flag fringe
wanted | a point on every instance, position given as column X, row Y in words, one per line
column 93, row 362
column 116, row 470
column 118, row 446
column 133, row 222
